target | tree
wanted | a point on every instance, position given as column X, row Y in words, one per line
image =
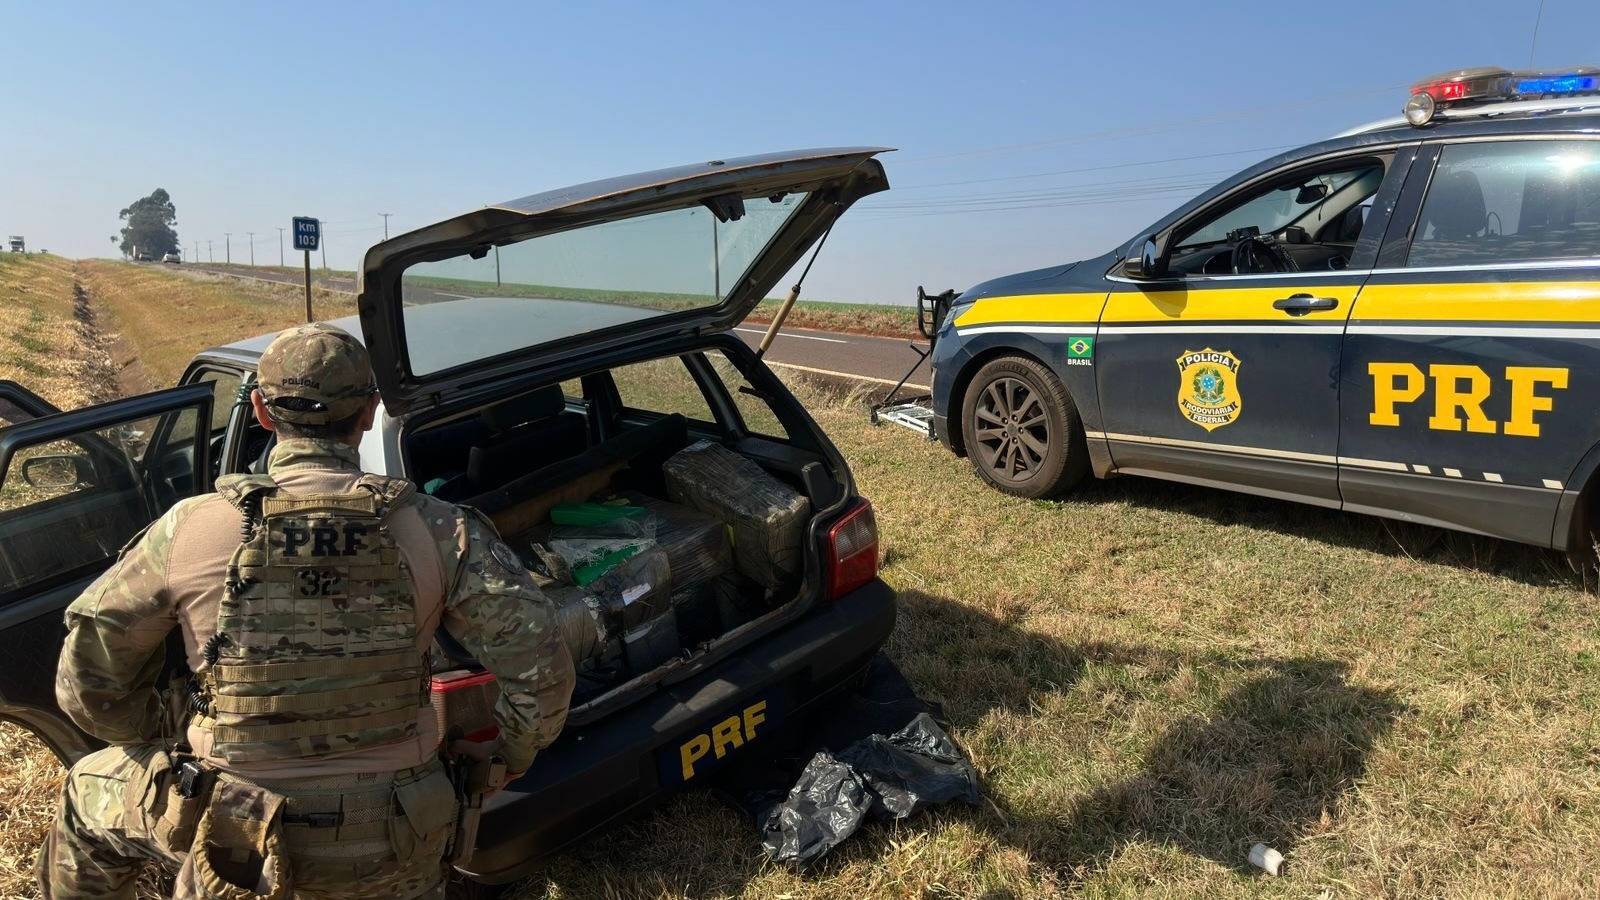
column 149, row 229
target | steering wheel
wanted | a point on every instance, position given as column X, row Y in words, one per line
column 1261, row 253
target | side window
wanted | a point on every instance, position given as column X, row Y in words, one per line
column 1315, row 216
column 1512, row 201
column 757, row 414
column 224, row 390
column 662, row 386
column 69, row 502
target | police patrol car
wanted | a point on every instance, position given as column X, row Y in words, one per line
column 1403, row 320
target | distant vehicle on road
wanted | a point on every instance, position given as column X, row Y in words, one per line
column 16, row 243
column 172, row 258
column 1403, row 321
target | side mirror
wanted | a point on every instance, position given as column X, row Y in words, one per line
column 57, row 472
column 1150, row 263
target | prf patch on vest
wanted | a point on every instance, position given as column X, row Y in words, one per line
column 320, row 624
column 340, row 583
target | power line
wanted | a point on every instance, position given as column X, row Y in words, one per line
column 1254, row 112
column 1059, row 192
column 1126, row 165
column 1534, row 42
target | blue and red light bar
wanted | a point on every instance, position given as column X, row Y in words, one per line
column 1546, row 85
column 1488, row 84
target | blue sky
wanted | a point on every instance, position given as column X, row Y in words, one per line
column 251, row 113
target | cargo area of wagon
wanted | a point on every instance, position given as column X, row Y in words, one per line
column 655, row 535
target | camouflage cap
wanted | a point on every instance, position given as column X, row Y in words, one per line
column 314, row 374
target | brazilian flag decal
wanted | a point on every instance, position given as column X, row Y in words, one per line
column 1080, row 347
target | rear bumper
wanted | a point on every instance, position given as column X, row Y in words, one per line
column 594, row 776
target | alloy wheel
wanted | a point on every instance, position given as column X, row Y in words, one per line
column 1011, row 428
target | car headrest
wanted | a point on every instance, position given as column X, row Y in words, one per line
column 540, row 404
column 1455, row 206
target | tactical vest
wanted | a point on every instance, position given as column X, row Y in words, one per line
column 316, row 644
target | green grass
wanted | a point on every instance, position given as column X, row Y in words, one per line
column 1152, row 677
column 866, row 318
column 828, row 315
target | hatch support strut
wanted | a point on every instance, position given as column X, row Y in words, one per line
column 788, row 302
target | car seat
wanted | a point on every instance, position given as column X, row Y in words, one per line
column 1455, row 207
column 525, row 432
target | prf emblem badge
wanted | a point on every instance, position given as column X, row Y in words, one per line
column 1208, row 387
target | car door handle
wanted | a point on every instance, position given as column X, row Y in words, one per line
column 1300, row 304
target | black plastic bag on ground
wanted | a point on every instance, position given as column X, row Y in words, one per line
column 913, row 769
column 825, row 807
column 890, row 777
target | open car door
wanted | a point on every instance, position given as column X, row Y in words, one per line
column 74, row 488
column 18, row 404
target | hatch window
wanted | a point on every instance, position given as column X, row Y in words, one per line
column 496, row 300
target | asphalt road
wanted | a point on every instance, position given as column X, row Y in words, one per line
column 825, row 354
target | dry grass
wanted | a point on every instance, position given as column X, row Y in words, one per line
column 165, row 316
column 33, row 782
column 1151, row 678
column 43, row 345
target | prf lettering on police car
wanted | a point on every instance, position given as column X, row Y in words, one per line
column 728, row 734
column 1459, row 392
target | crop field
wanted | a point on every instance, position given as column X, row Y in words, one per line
column 1149, row 677
column 827, row 315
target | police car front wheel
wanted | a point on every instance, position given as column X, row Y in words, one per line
column 1021, row 429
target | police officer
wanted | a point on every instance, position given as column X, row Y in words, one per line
column 306, row 757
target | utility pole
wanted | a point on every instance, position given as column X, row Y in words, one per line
column 210, row 257
column 196, row 251
column 386, row 224
column 227, row 247
column 324, row 247
column 252, row 236
column 280, row 248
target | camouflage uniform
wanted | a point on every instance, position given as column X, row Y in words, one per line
column 389, row 798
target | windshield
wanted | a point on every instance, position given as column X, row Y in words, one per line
column 559, row 286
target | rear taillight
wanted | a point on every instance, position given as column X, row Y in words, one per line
column 852, row 550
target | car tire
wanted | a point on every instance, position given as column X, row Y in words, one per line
column 1021, row 429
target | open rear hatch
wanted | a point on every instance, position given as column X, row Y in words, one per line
column 662, row 544
column 501, row 291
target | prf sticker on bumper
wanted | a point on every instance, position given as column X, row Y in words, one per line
column 700, row 752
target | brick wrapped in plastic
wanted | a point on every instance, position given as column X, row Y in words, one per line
column 580, row 620
column 590, row 545
column 767, row 517
column 696, row 544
